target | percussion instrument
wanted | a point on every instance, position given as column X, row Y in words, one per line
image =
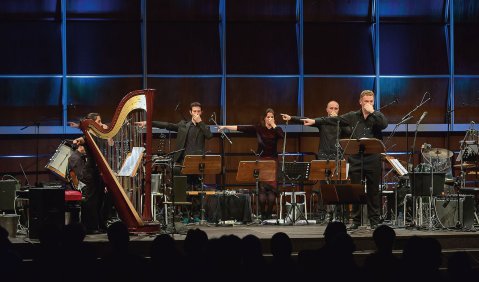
column 58, row 163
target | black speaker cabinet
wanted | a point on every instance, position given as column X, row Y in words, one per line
column 47, row 208
column 421, row 183
column 179, row 186
column 7, row 195
column 447, row 211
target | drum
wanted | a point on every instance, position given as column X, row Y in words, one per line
column 58, row 163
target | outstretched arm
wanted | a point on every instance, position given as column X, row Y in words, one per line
column 228, row 127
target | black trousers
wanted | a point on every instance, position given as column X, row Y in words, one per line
column 372, row 173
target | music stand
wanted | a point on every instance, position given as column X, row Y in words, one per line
column 325, row 170
column 362, row 146
column 202, row 165
column 296, row 172
column 256, row 171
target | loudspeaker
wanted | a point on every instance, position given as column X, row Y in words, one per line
column 421, row 183
column 47, row 207
column 7, row 195
column 446, row 209
column 179, row 185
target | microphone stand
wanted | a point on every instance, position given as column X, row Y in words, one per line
column 37, row 141
column 387, row 105
column 395, row 128
column 223, row 135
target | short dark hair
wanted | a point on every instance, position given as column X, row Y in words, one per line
column 195, row 104
column 92, row 116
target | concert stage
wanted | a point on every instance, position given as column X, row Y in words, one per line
column 302, row 236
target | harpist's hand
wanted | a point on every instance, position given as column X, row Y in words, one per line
column 221, row 128
column 308, row 121
column 141, row 124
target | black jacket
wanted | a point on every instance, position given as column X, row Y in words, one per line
column 182, row 128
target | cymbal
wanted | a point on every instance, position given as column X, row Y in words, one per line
column 465, row 165
column 438, row 153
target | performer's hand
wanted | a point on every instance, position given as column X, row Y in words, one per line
column 272, row 123
column 221, row 128
column 196, row 119
column 286, row 117
column 308, row 121
column 369, row 108
column 73, row 124
column 104, row 126
column 333, row 114
column 141, row 124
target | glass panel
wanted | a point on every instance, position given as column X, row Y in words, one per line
column 183, row 10
column 104, row 47
column 337, row 11
column 327, row 53
column 410, row 92
column 104, row 9
column 183, row 48
column 30, row 48
column 412, row 10
column 413, row 49
column 466, row 100
column 28, row 101
column 181, row 92
column 248, row 98
column 96, row 94
column 466, row 46
column 271, row 48
column 319, row 91
column 260, row 10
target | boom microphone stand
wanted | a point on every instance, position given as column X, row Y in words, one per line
column 37, row 141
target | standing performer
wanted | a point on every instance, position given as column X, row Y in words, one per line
column 190, row 140
column 82, row 163
column 268, row 134
column 327, row 130
column 365, row 123
column 328, row 137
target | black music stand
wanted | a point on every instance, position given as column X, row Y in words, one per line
column 256, row 171
column 296, row 173
column 202, row 165
column 326, row 170
column 362, row 146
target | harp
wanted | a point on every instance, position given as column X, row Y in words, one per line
column 123, row 155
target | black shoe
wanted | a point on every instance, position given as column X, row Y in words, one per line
column 353, row 226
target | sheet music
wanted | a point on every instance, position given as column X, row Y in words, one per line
column 401, row 170
column 132, row 162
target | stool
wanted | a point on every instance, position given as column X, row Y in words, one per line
column 73, row 200
column 154, row 200
column 292, row 200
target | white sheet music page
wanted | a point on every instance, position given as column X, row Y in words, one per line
column 132, row 161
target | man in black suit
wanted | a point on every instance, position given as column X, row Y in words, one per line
column 191, row 136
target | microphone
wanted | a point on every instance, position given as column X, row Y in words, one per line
column 177, row 106
column 422, row 117
column 404, row 120
column 213, row 115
